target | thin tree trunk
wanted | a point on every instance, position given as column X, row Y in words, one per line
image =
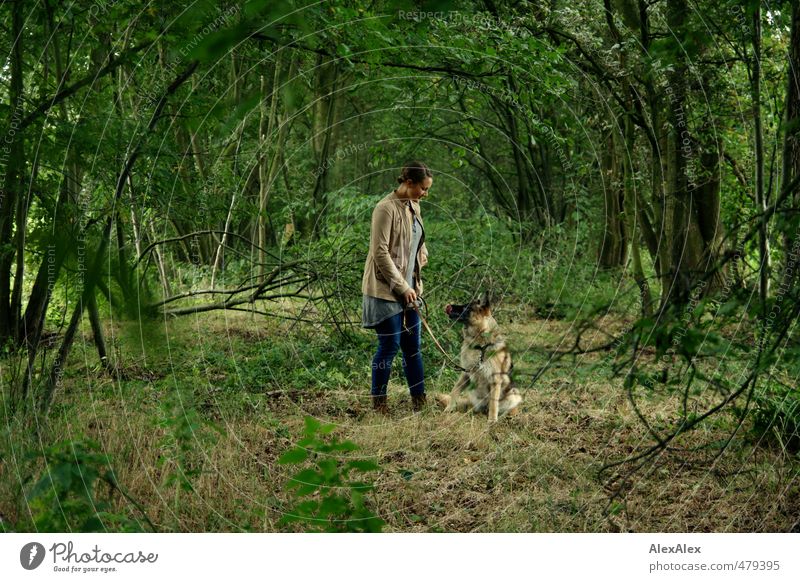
column 761, row 204
column 528, row 207
column 163, row 274
column 15, row 172
column 321, row 183
column 266, row 127
column 135, row 224
column 97, row 332
column 123, row 275
column 196, row 251
column 632, row 213
column 237, row 80
column 284, row 124
column 791, row 139
column 223, row 241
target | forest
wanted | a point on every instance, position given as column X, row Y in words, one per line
column 186, row 192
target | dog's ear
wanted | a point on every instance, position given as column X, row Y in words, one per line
column 485, row 302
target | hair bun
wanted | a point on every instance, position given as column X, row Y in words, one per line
column 415, row 171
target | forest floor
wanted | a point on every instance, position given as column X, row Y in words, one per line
column 249, row 382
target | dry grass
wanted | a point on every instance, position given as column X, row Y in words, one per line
column 537, row 471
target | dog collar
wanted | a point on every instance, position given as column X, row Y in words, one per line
column 483, row 349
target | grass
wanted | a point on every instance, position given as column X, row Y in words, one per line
column 248, row 383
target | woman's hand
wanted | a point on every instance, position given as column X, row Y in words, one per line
column 410, row 297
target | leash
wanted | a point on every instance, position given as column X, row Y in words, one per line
column 430, row 332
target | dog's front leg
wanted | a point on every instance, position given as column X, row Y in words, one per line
column 461, row 383
column 494, row 398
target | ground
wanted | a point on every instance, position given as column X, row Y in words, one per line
column 249, row 382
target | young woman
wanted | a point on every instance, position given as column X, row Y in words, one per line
column 391, row 284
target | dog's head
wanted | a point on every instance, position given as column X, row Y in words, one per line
column 476, row 314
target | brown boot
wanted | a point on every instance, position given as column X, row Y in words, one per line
column 379, row 405
column 418, row 401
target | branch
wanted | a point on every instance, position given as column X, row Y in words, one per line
column 152, row 245
column 232, row 304
column 48, row 102
column 336, row 57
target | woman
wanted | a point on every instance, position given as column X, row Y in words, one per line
column 392, row 286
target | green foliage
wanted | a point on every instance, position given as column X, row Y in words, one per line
column 66, row 498
column 187, row 434
column 261, row 366
column 777, row 416
column 326, row 497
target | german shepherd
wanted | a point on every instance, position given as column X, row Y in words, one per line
column 486, row 364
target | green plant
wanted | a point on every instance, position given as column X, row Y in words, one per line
column 777, row 416
column 326, row 498
column 184, row 429
column 66, row 498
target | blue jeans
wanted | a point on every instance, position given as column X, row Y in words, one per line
column 392, row 336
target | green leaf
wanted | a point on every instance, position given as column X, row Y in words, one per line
column 346, row 446
column 363, row 465
column 293, row 456
column 312, row 425
column 305, row 482
column 61, row 476
column 332, row 505
column 304, row 477
column 328, row 467
column 373, row 525
column 357, row 499
column 327, row 428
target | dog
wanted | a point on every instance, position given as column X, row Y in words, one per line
column 486, row 364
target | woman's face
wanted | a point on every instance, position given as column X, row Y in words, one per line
column 417, row 191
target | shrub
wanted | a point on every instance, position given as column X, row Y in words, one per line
column 326, row 497
column 66, row 498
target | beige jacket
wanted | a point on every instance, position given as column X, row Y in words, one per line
column 389, row 242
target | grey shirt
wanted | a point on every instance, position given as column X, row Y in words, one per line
column 375, row 310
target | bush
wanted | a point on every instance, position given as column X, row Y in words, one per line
column 326, row 498
column 66, row 498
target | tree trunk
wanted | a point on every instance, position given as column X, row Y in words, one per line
column 529, row 210
column 266, row 127
column 15, row 174
column 614, row 242
column 631, row 218
column 322, row 141
column 62, row 236
column 709, row 221
column 679, row 152
column 791, row 139
column 196, row 250
column 761, row 203
column 97, row 332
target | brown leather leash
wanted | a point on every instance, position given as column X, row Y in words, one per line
column 430, row 332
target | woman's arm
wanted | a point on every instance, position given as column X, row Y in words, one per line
column 379, row 247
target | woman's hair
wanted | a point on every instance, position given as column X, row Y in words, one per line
column 415, row 171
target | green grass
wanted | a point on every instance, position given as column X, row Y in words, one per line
column 202, row 410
